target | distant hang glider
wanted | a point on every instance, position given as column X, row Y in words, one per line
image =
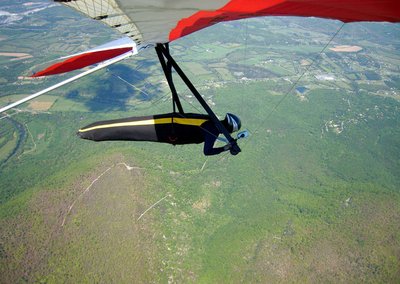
column 158, row 22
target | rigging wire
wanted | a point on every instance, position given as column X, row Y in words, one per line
column 133, row 86
column 296, row 82
column 225, row 154
column 151, row 102
column 245, row 55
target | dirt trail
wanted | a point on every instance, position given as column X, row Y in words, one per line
column 152, row 206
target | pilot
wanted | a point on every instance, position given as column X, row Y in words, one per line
column 172, row 128
column 210, row 131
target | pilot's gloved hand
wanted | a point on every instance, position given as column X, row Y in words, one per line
column 235, row 149
column 227, row 147
column 232, row 147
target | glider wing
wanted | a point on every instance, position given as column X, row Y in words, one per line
column 161, row 21
column 90, row 57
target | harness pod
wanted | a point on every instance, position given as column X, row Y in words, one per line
column 172, row 128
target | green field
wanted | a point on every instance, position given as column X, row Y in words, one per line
column 313, row 197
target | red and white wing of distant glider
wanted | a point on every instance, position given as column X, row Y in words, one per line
column 148, row 22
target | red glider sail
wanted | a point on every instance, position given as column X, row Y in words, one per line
column 343, row 10
column 81, row 61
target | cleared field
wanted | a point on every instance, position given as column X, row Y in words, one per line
column 196, row 68
column 15, row 54
column 40, row 106
column 224, row 73
column 42, row 103
column 346, row 48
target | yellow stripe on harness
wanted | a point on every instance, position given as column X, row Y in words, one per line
column 166, row 120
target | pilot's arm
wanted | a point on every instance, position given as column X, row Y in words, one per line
column 210, row 135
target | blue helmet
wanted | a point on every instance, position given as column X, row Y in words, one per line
column 233, row 122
